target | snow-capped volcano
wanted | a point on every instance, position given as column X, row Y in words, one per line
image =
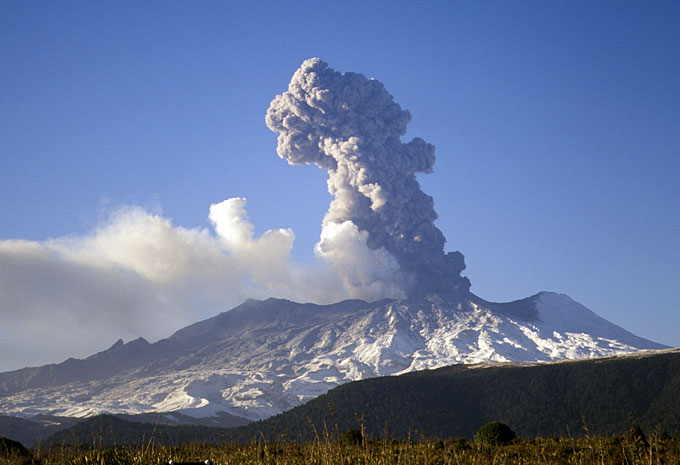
column 264, row 357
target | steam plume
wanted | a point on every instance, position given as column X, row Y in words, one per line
column 351, row 126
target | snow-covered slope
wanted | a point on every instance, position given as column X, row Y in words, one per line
column 264, row 357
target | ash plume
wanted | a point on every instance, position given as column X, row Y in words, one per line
column 379, row 231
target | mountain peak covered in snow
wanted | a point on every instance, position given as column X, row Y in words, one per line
column 264, row 357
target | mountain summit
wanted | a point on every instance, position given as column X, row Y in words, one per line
column 264, row 357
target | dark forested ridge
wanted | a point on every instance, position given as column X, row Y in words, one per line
column 566, row 398
column 107, row 430
column 29, row 431
column 600, row 396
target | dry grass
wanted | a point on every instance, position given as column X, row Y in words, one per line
column 326, row 451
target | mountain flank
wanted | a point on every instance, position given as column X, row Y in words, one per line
column 569, row 399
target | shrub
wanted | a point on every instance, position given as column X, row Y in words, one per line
column 461, row 444
column 494, row 433
column 15, row 451
column 352, row 436
column 636, row 435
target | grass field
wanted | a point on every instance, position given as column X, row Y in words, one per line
column 655, row 449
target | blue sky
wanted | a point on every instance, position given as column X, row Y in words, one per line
column 556, row 127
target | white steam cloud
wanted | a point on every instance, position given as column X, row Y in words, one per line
column 138, row 274
column 351, row 126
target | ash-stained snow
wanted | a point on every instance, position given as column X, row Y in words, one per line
column 263, row 358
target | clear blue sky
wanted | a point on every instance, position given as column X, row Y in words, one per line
column 556, row 126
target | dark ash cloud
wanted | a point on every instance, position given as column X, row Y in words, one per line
column 351, row 126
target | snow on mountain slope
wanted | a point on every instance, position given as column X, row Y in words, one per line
column 264, row 357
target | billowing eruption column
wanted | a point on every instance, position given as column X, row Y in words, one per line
column 351, row 126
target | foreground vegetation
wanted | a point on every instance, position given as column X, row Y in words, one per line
column 350, row 450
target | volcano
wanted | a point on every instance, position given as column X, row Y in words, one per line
column 264, row 357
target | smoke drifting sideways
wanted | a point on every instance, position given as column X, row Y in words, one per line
column 351, row 126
